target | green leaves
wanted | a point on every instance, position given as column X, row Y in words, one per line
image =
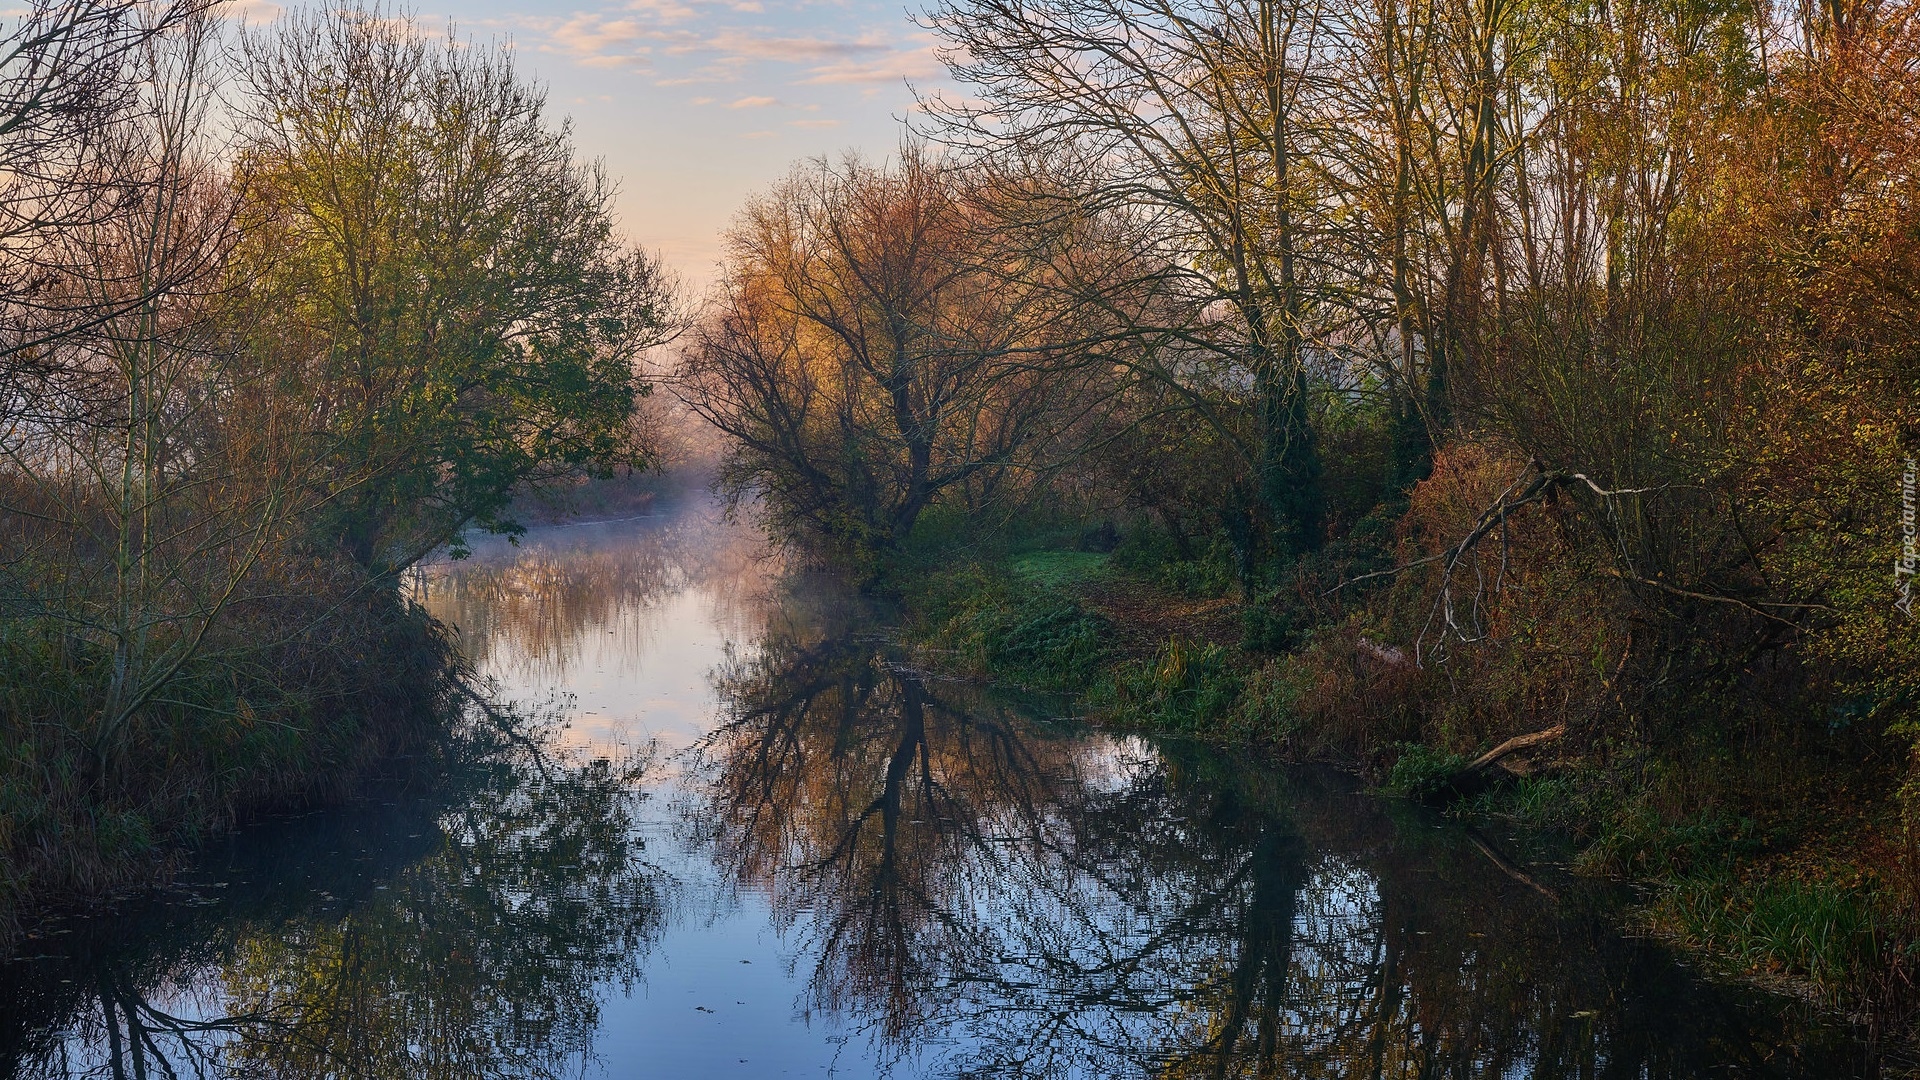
column 469, row 317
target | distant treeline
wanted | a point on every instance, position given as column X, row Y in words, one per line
column 1514, row 367
column 282, row 311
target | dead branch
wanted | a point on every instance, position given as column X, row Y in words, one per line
column 1755, row 606
column 1514, row 746
column 1480, row 774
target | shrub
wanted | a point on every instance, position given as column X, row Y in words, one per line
column 1046, row 642
column 1639, row 840
column 1422, row 771
column 1026, row 634
column 1153, row 554
column 1187, row 687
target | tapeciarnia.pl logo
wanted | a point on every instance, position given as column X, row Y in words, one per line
column 1903, row 567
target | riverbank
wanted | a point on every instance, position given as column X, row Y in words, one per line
column 333, row 691
column 1772, row 856
column 328, row 684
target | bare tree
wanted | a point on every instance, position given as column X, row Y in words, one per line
column 64, row 97
column 1202, row 128
column 871, row 349
column 141, row 501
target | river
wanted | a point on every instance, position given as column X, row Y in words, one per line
column 740, row 836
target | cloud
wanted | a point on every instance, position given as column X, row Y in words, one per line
column 759, row 102
column 597, row 41
column 722, row 70
column 666, row 11
column 813, row 123
column 896, row 66
column 687, row 42
column 760, row 43
column 633, row 60
column 249, row 11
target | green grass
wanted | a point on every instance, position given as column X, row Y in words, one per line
column 1045, row 642
column 1635, row 839
column 1421, row 771
column 1830, row 935
column 1019, row 619
column 1189, row 687
column 1060, row 569
column 1560, row 803
column 1015, row 630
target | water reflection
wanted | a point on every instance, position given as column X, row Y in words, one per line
column 855, row 869
column 992, row 897
column 535, row 612
column 873, row 807
column 434, row 937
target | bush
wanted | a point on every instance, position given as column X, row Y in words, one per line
column 1276, row 621
column 1188, row 687
column 1571, row 804
column 302, row 722
column 1638, row 840
column 1153, row 554
column 1046, row 642
column 1026, row 633
column 1420, row 772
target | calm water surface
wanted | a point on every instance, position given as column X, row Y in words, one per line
column 747, row 840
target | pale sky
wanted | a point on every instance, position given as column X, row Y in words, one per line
column 696, row 104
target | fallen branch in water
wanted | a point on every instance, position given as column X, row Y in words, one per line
column 1515, row 745
column 1478, row 775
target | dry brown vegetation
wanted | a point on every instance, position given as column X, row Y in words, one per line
column 255, row 362
column 1508, row 369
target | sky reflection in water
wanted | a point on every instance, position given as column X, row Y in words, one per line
column 832, row 867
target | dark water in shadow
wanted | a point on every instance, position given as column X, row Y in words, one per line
column 767, row 847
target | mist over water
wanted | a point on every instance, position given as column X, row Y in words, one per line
column 753, row 840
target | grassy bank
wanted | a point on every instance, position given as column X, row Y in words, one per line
column 341, row 691
column 1769, row 849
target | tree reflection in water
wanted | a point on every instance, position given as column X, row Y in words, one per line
column 982, row 894
column 440, row 939
column 876, row 806
column 1015, row 900
column 529, row 611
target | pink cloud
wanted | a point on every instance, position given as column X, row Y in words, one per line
column 666, row 11
column 643, row 31
column 898, row 65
